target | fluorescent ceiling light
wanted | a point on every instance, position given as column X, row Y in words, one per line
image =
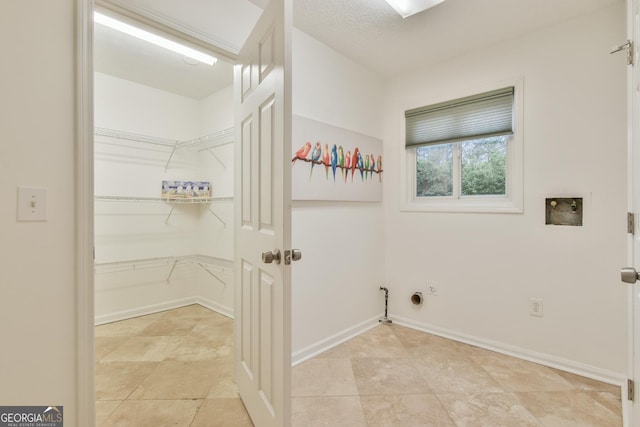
column 411, row 7
column 154, row 39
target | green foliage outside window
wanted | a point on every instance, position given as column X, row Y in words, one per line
column 434, row 173
column 482, row 165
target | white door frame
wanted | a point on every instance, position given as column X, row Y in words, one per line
column 631, row 410
column 84, row 238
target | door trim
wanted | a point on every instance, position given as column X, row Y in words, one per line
column 84, row 238
column 630, row 409
column 165, row 26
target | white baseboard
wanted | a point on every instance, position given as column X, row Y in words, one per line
column 164, row 306
column 144, row 310
column 212, row 305
column 321, row 346
column 610, row 377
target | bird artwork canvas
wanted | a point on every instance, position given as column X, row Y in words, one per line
column 332, row 163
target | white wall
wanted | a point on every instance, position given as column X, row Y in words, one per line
column 142, row 230
column 335, row 285
column 216, row 113
column 37, row 307
column 488, row 265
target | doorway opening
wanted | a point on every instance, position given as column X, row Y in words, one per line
column 163, row 215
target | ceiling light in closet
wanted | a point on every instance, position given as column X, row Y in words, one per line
column 153, row 38
column 411, row 7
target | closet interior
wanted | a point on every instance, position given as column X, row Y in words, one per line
column 163, row 180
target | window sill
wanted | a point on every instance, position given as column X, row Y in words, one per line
column 462, row 205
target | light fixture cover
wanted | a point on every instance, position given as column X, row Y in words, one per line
column 411, row 7
column 153, row 38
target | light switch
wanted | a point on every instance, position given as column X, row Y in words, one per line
column 32, row 204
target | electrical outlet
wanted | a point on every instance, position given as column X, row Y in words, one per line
column 535, row 307
column 433, row 289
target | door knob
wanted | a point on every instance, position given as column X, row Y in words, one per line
column 292, row 255
column 269, row 257
column 629, row 275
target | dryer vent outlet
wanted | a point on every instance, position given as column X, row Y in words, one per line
column 416, row 298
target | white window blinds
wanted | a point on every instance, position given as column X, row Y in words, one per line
column 472, row 117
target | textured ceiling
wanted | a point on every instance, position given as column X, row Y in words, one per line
column 373, row 34
column 368, row 31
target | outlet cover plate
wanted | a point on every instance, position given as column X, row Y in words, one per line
column 536, row 307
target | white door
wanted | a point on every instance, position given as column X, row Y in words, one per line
column 263, row 218
column 633, row 416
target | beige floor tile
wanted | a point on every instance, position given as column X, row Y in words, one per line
column 324, row 377
column 105, row 345
column 224, row 383
column 177, row 380
column 423, row 410
column 154, row 413
column 143, row 349
column 388, row 376
column 126, row 328
column 419, row 344
column 193, row 312
column 611, row 401
column 116, row 381
column 487, row 409
column 222, row 413
column 447, row 373
column 193, row 348
column 338, row 352
column 213, row 329
column 584, row 383
column 518, row 375
column 377, row 342
column 104, row 408
column 343, row 411
column 392, row 375
column 168, row 327
column 568, row 409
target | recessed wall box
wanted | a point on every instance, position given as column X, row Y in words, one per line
column 563, row 211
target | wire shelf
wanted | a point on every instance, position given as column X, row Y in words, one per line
column 203, row 143
column 183, row 201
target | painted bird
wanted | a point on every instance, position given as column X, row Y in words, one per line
column 315, row 157
column 380, row 168
column 302, row 153
column 366, row 166
column 325, row 159
column 334, row 160
column 347, row 165
column 373, row 164
column 341, row 160
column 354, row 162
column 360, row 166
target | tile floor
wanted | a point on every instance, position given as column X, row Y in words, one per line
column 168, row 369
column 176, row 369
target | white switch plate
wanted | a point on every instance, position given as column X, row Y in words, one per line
column 32, row 204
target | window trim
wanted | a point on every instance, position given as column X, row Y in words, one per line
column 511, row 203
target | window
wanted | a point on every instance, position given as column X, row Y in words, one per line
column 465, row 154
